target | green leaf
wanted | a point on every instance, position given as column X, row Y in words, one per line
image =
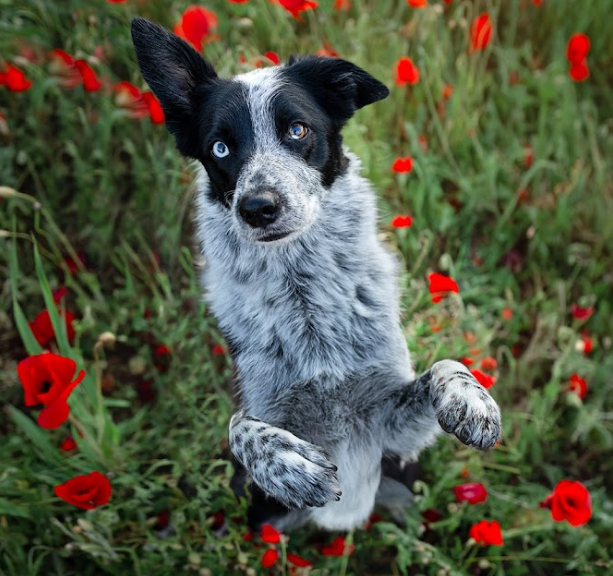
column 32, row 346
column 8, row 508
column 59, row 326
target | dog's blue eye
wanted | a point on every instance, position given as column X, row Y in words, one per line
column 220, row 150
column 298, row 131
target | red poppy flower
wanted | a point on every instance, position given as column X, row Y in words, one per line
column 447, row 91
column 402, row 165
column 138, row 104
column 338, row 548
column 15, row 79
column 473, row 493
column 579, row 71
column 578, row 385
column 270, row 535
column 218, row 350
column 489, row 363
column 327, row 51
column 273, row 57
column 537, row 2
column 269, row 558
column 485, row 380
column 431, row 515
column 342, row 5
column 402, row 221
column 467, row 361
column 48, row 379
column 42, row 328
column 486, row 533
column 417, row 3
column 130, row 98
column 481, row 31
column 68, row 444
column 406, row 72
column 585, row 345
column 579, row 313
column 578, row 48
column 297, row 6
column 116, row 1
column 507, row 314
column 238, row 1
column 298, row 561
column 218, row 520
column 440, row 286
column 90, row 80
column 88, row 491
column 62, row 66
column 570, row 501
column 195, row 25
column 155, row 108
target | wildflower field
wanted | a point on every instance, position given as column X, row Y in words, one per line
column 493, row 162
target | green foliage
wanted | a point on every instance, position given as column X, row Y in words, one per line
column 530, row 237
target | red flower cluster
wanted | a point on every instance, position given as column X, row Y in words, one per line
column 576, row 54
column 14, row 79
column 570, row 501
column 486, row 533
column 441, row 286
column 48, row 379
column 417, row 3
column 138, row 104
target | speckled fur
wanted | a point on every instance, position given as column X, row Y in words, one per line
column 309, row 304
column 326, row 383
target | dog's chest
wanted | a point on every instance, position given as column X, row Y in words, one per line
column 303, row 323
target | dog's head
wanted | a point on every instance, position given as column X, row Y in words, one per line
column 269, row 139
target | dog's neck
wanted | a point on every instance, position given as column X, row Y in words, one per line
column 313, row 306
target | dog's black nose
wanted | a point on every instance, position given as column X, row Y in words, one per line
column 259, row 210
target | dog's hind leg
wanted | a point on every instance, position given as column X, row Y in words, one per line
column 294, row 472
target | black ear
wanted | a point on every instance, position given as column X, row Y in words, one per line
column 339, row 87
column 173, row 70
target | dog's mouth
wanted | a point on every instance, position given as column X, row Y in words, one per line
column 273, row 237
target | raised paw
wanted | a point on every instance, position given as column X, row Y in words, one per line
column 464, row 407
column 295, row 472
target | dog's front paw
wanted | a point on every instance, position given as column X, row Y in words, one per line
column 464, row 407
column 297, row 473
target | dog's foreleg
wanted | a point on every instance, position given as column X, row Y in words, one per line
column 445, row 398
column 295, row 472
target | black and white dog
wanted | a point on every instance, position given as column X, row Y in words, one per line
column 303, row 290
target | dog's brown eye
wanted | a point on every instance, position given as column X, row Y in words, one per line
column 298, row 131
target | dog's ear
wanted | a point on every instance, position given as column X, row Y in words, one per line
column 173, row 70
column 339, row 87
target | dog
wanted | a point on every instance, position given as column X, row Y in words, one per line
column 304, row 292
